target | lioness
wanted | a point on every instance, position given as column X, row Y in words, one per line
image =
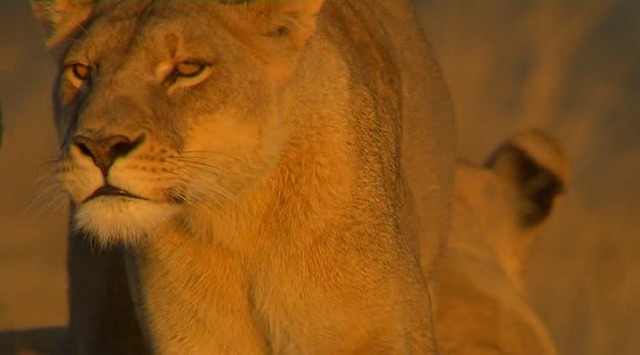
column 274, row 169
column 498, row 209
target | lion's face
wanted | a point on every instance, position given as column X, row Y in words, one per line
column 162, row 110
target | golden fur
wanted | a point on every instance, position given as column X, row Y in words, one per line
column 498, row 209
column 283, row 194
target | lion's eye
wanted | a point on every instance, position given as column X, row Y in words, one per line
column 80, row 71
column 189, row 69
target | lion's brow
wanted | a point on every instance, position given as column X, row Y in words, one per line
column 126, row 8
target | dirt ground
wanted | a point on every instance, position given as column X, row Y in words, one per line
column 568, row 66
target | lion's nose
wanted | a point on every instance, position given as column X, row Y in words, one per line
column 106, row 150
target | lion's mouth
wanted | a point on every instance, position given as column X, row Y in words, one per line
column 109, row 190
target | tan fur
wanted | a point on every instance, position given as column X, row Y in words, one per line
column 287, row 191
column 480, row 298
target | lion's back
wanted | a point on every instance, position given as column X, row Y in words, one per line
column 413, row 79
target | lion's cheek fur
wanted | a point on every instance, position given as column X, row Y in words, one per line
column 79, row 176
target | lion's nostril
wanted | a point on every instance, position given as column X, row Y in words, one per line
column 119, row 146
column 106, row 150
column 84, row 150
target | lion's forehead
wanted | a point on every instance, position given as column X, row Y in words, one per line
column 148, row 28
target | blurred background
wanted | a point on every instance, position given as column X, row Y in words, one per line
column 571, row 67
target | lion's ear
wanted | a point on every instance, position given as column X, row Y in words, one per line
column 536, row 166
column 292, row 20
column 60, row 18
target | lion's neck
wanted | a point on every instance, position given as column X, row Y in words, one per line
column 199, row 270
column 184, row 286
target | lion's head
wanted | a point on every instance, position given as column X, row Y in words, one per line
column 155, row 117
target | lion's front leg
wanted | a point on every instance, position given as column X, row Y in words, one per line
column 333, row 300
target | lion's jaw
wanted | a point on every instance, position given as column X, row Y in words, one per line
column 121, row 219
column 110, row 218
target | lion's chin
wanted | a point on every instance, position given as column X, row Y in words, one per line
column 114, row 219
